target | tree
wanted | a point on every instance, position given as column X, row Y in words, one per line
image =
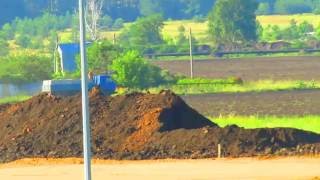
column 4, row 47
column 23, row 41
column 106, row 22
column 142, row 34
column 318, row 32
column 100, row 56
column 149, row 7
column 305, row 27
column 263, row 9
column 8, row 31
column 271, row 33
column 291, row 32
column 93, row 17
column 233, row 21
column 25, row 68
column 118, row 23
column 193, row 8
column 131, row 70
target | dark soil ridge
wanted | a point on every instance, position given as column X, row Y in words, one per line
column 134, row 126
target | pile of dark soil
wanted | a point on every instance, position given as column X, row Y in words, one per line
column 134, row 126
column 3, row 107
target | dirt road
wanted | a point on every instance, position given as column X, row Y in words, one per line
column 246, row 168
column 250, row 69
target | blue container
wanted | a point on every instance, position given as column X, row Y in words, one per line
column 71, row 87
column 105, row 83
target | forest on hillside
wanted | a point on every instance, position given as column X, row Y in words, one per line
column 129, row 10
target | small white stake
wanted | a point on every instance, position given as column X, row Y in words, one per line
column 219, row 150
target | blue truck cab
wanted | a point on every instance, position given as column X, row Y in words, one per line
column 69, row 87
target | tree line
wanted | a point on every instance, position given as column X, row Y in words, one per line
column 231, row 23
column 130, row 10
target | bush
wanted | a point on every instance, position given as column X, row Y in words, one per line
column 263, row 9
column 25, row 68
column 100, row 56
column 131, row 70
column 318, row 32
column 106, row 22
column 143, row 34
column 118, row 23
column 4, row 47
column 24, row 41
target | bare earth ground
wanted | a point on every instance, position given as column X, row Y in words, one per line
column 278, row 68
column 298, row 102
column 246, row 168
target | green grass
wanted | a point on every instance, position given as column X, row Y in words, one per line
column 13, row 99
column 197, row 81
column 284, row 20
column 306, row 123
column 224, row 86
column 199, row 29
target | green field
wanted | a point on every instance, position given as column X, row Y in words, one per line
column 13, row 99
column 307, row 123
column 204, row 87
column 284, row 20
column 199, row 29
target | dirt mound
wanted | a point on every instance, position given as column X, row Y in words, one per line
column 3, row 107
column 134, row 126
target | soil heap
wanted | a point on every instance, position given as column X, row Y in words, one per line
column 134, row 126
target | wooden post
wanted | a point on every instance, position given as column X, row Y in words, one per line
column 191, row 54
column 219, row 150
column 114, row 39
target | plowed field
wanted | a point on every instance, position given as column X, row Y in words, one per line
column 249, row 69
column 295, row 103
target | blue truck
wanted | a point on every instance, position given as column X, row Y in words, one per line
column 70, row 87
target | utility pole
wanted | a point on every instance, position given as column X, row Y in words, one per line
column 191, row 54
column 85, row 98
column 56, row 67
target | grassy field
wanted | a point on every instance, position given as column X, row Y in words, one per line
column 200, row 29
column 234, row 56
column 13, row 99
column 227, row 87
column 284, row 20
column 307, row 123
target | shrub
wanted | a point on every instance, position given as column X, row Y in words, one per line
column 4, row 47
column 118, row 23
column 24, row 68
column 131, row 70
column 100, row 56
column 24, row 41
column 143, row 33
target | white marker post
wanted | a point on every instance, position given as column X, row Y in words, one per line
column 85, row 98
